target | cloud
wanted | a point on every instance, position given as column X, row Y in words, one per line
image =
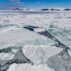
column 16, row 1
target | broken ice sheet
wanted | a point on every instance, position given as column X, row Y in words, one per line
column 14, row 36
column 62, row 34
column 60, row 62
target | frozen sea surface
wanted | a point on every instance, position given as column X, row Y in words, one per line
column 44, row 45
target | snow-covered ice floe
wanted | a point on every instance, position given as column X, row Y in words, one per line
column 39, row 54
column 28, row 67
column 45, row 45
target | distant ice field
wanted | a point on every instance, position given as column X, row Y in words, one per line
column 31, row 12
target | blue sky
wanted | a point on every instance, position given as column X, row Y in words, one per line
column 36, row 3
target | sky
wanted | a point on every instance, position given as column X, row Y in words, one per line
column 35, row 3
